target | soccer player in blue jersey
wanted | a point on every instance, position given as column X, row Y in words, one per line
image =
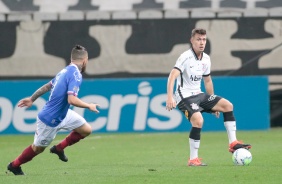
column 56, row 114
column 191, row 67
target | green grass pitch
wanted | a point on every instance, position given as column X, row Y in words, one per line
column 146, row 158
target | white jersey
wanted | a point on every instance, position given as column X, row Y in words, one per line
column 191, row 70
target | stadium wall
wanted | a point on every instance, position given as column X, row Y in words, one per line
column 138, row 105
column 126, row 45
column 141, row 47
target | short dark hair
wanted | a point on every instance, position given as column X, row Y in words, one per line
column 200, row 31
column 78, row 52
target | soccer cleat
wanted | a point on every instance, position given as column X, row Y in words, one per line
column 61, row 154
column 238, row 144
column 15, row 170
column 196, row 162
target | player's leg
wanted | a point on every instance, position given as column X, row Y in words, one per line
column 75, row 136
column 27, row 155
column 80, row 129
column 195, row 138
column 226, row 108
column 189, row 107
column 41, row 141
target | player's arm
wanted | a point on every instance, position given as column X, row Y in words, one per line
column 208, row 85
column 27, row 102
column 75, row 101
column 41, row 91
column 170, row 102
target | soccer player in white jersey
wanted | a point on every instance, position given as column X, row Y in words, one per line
column 191, row 67
column 56, row 114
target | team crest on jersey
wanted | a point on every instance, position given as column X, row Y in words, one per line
column 204, row 67
column 186, row 114
column 77, row 76
column 194, row 106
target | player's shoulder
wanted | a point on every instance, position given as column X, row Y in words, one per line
column 188, row 54
column 74, row 72
column 72, row 68
column 206, row 56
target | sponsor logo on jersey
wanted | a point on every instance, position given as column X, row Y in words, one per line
column 203, row 67
column 195, row 78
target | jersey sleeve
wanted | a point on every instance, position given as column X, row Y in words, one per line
column 75, row 79
column 180, row 63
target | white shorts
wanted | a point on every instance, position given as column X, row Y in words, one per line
column 45, row 134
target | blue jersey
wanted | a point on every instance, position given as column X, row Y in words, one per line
column 66, row 82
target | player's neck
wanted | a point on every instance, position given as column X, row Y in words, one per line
column 79, row 65
column 199, row 55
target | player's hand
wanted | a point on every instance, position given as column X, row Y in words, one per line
column 93, row 107
column 170, row 104
column 216, row 113
column 26, row 102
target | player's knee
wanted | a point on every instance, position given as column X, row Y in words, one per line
column 87, row 130
column 84, row 130
column 230, row 107
column 227, row 106
column 197, row 120
column 37, row 149
column 198, row 124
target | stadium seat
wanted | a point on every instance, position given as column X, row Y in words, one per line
column 233, row 4
column 74, row 15
column 275, row 12
column 256, row 12
column 195, row 4
column 16, row 5
column 150, row 14
column 124, row 15
column 98, row 15
column 176, row 14
column 84, row 5
column 147, row 4
column 269, row 4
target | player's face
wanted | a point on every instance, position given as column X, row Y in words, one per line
column 199, row 42
column 85, row 61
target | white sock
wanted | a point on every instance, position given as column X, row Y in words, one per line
column 231, row 130
column 194, row 146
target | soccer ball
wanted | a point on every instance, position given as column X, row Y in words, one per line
column 242, row 156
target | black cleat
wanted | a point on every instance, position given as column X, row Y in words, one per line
column 61, row 154
column 15, row 170
column 238, row 144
